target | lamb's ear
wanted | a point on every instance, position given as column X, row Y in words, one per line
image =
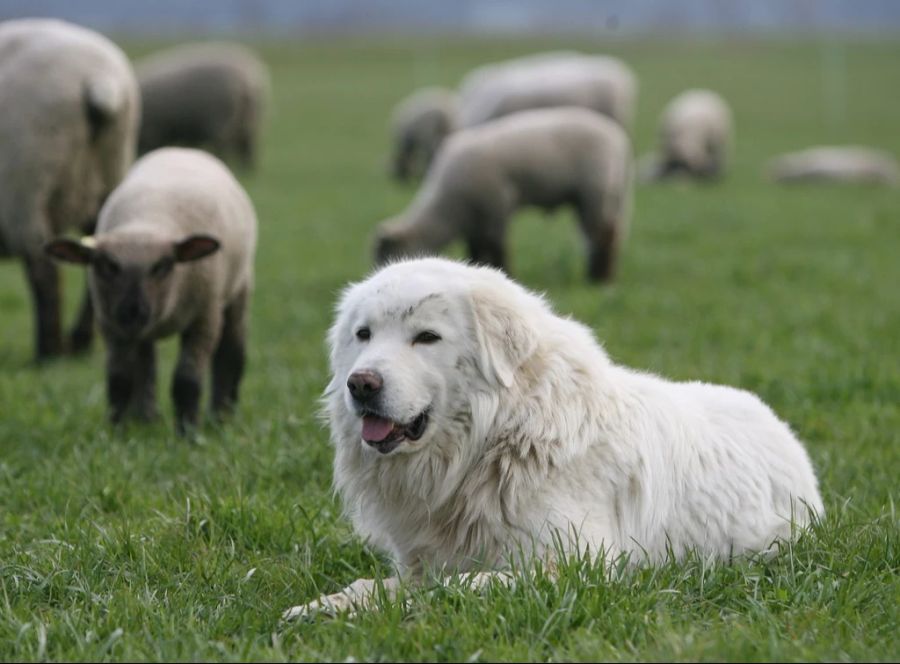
column 505, row 339
column 72, row 251
column 195, row 247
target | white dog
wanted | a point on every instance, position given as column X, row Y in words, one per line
column 471, row 423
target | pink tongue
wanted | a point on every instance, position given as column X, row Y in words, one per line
column 376, row 429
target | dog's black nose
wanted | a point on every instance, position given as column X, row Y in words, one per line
column 364, row 385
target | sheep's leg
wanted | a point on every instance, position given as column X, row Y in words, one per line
column 120, row 377
column 487, row 243
column 245, row 147
column 143, row 398
column 601, row 237
column 230, row 356
column 82, row 334
column 43, row 279
column 197, row 343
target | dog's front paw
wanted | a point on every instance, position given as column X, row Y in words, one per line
column 326, row 605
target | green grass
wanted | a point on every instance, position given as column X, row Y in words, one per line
column 136, row 545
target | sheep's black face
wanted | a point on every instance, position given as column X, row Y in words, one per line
column 133, row 276
column 132, row 292
column 391, row 244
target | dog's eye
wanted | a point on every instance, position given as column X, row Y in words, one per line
column 364, row 334
column 426, row 337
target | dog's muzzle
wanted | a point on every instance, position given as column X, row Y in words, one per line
column 385, row 435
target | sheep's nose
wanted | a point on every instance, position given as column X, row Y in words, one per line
column 131, row 313
column 364, row 385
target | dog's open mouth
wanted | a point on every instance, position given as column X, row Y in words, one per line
column 384, row 434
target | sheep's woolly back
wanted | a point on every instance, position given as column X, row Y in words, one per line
column 836, row 164
column 222, row 91
column 603, row 84
column 88, row 93
column 695, row 125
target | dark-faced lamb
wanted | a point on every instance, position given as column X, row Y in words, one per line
column 172, row 255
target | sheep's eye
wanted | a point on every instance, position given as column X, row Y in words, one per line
column 161, row 268
column 426, row 337
column 105, row 267
column 364, row 334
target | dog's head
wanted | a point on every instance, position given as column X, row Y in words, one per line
column 415, row 344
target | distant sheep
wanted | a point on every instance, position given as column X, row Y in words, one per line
column 695, row 137
column 420, row 123
column 68, row 131
column 559, row 78
column 836, row 164
column 175, row 207
column 544, row 158
column 208, row 95
column 601, row 83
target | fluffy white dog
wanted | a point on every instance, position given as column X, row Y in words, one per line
column 471, row 423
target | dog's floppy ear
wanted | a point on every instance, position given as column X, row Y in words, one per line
column 505, row 339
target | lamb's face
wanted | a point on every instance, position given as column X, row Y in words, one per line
column 131, row 284
column 132, row 276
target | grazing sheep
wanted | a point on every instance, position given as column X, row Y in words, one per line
column 545, row 158
column 420, row 124
column 695, row 137
column 601, row 83
column 175, row 207
column 208, row 95
column 544, row 80
column 70, row 114
column 836, row 164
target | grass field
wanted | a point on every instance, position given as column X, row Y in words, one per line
column 134, row 544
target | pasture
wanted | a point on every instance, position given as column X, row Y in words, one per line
column 135, row 545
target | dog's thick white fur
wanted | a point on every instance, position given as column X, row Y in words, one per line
column 533, row 436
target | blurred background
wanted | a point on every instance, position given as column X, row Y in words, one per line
column 513, row 17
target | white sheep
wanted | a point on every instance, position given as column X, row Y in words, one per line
column 561, row 78
column 423, row 120
column 208, row 95
column 836, row 164
column 543, row 158
column 175, row 207
column 420, row 123
column 70, row 114
column 695, row 137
